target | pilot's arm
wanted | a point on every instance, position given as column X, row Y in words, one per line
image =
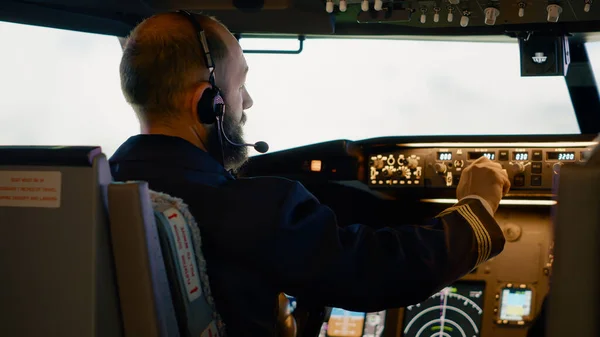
column 363, row 269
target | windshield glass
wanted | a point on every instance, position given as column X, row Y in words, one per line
column 64, row 90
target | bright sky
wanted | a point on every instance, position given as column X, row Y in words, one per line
column 62, row 88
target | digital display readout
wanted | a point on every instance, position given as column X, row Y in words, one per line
column 520, row 156
column 477, row 155
column 560, row 156
column 444, row 156
column 515, row 304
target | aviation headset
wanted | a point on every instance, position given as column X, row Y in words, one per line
column 211, row 105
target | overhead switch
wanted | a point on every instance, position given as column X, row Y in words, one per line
column 464, row 20
column 454, row 2
column 378, row 5
column 491, row 13
column 365, row 6
column 554, row 12
column 436, row 14
column 329, row 6
column 522, row 6
column 343, row 5
column 450, row 14
column 588, row 6
column 423, row 15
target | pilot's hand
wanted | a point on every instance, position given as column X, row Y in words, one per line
column 485, row 179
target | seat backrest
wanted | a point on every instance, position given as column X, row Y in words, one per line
column 161, row 270
column 56, row 268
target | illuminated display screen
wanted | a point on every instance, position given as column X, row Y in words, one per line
column 520, row 156
column 477, row 155
column 560, row 155
column 345, row 323
column 515, row 304
column 444, row 156
column 455, row 311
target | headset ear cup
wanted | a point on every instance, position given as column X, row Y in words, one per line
column 206, row 106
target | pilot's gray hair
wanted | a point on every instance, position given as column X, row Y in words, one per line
column 161, row 62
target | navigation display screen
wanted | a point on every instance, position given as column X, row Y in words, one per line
column 345, row 323
column 515, row 304
column 454, row 311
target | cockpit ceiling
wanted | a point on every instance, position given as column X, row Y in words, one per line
column 441, row 18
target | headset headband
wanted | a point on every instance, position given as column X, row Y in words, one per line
column 201, row 36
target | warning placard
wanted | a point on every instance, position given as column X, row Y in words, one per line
column 30, row 189
column 185, row 253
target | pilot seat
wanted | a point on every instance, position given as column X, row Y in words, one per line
column 82, row 255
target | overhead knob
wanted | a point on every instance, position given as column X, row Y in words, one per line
column 554, row 12
column 423, row 15
column 412, row 163
column 522, row 6
column 343, row 5
column 464, row 20
column 329, row 6
column 440, row 168
column 491, row 13
column 364, row 6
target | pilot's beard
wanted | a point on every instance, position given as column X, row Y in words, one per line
column 234, row 156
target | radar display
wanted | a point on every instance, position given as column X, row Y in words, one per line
column 455, row 311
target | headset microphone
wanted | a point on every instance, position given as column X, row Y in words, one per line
column 261, row 147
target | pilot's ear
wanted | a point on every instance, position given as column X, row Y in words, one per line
column 196, row 97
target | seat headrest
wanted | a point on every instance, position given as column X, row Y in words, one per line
column 49, row 155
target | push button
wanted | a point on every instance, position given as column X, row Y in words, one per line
column 536, row 155
column 536, row 180
column 519, row 180
column 503, row 155
column 536, row 168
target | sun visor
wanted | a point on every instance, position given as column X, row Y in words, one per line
column 219, row 4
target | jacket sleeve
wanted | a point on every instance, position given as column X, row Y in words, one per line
column 363, row 269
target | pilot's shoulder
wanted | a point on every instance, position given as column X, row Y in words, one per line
column 277, row 187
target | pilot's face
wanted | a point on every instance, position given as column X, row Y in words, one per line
column 231, row 79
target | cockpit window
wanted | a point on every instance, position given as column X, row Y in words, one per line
column 355, row 89
column 62, row 88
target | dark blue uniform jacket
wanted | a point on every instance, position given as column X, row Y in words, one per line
column 263, row 236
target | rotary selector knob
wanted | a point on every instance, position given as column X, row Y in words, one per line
column 512, row 232
column 378, row 163
column 517, row 167
column 412, row 163
column 556, row 168
column 404, row 172
column 440, row 168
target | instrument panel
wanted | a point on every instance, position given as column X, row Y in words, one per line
column 409, row 181
column 529, row 166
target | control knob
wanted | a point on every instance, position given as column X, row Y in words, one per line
column 556, row 168
column 440, row 168
column 412, row 163
column 404, row 172
column 378, row 163
column 517, row 167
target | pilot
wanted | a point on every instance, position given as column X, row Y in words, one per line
column 263, row 236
